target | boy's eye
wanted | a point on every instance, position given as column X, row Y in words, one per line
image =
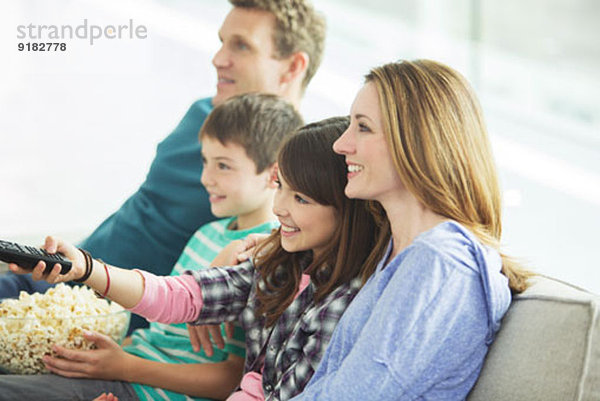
column 300, row 199
column 241, row 45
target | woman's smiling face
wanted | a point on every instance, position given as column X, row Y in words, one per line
column 371, row 171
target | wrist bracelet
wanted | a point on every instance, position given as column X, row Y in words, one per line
column 107, row 281
column 89, row 265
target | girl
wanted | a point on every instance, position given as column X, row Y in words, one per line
column 421, row 326
column 290, row 297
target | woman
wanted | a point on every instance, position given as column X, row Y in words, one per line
column 290, row 297
column 421, row 326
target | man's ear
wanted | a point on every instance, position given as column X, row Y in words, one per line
column 272, row 176
column 296, row 67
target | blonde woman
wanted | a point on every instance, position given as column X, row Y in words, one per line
column 421, row 326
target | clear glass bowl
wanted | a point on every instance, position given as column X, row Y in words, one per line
column 25, row 340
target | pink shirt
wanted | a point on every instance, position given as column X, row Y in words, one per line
column 169, row 300
column 159, row 305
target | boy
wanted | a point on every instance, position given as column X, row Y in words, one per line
column 240, row 139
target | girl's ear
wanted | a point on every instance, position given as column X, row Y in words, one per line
column 273, row 176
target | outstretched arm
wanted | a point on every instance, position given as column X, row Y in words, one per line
column 126, row 286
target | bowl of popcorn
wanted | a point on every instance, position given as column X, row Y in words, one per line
column 31, row 324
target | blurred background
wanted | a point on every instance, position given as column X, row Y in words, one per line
column 78, row 129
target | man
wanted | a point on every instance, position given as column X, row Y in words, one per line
column 267, row 46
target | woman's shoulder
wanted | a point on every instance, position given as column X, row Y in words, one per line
column 455, row 245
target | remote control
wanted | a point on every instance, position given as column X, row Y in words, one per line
column 28, row 257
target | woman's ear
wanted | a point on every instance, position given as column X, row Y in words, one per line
column 273, row 176
column 298, row 63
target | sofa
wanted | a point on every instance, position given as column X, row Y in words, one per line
column 548, row 348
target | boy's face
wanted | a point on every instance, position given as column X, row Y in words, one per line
column 234, row 187
column 245, row 62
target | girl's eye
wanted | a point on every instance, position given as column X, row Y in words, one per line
column 223, row 166
column 300, row 199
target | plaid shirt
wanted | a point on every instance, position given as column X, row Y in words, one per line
column 292, row 348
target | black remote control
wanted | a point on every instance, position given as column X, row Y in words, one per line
column 28, row 257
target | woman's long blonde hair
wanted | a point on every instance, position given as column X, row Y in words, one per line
column 434, row 126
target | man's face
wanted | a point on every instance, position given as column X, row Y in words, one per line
column 245, row 62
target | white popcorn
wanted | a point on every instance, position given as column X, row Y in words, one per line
column 32, row 324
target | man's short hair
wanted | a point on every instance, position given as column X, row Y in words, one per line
column 256, row 121
column 298, row 27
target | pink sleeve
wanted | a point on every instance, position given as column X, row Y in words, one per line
column 169, row 299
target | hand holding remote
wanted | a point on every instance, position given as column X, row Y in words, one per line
column 54, row 245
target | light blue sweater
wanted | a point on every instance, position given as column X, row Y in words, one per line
column 420, row 327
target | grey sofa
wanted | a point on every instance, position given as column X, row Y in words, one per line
column 548, row 348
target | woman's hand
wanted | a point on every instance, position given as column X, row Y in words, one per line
column 107, row 362
column 54, row 245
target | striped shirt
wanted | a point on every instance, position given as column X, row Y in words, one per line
column 170, row 343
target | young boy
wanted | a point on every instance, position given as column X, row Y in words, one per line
column 240, row 139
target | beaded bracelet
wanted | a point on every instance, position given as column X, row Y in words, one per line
column 89, row 264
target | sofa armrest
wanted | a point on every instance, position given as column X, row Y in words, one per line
column 548, row 347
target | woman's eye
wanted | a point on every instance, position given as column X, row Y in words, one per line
column 363, row 128
column 300, row 199
column 223, row 166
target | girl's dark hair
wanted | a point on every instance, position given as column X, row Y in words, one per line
column 308, row 164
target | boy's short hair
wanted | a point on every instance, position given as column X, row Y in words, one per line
column 256, row 121
column 298, row 27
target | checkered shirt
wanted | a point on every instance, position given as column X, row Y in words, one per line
column 291, row 349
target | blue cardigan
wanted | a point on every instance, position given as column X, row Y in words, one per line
column 420, row 327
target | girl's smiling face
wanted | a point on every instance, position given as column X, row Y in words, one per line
column 305, row 224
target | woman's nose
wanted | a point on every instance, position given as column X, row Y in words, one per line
column 343, row 145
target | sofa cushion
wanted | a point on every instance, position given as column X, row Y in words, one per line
column 548, row 347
